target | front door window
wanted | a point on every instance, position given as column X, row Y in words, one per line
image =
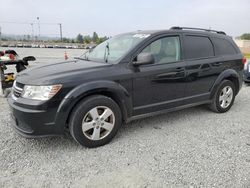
column 165, row 50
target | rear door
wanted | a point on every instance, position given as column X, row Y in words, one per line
column 202, row 67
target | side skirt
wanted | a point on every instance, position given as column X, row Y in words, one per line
column 167, row 110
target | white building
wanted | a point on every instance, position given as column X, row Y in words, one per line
column 244, row 45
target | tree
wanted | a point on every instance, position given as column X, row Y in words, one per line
column 65, row 40
column 101, row 39
column 87, row 39
column 245, row 36
column 79, row 38
column 95, row 37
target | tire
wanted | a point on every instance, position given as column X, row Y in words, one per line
column 222, row 102
column 95, row 121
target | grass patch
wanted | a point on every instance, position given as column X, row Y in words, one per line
column 247, row 55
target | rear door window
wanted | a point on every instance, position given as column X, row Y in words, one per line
column 197, row 47
column 223, row 47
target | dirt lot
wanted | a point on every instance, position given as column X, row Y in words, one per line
column 188, row 148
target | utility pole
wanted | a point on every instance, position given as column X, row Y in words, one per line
column 60, row 25
column 38, row 20
column 32, row 31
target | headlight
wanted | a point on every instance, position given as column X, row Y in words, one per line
column 41, row 93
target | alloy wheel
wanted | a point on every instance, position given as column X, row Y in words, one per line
column 98, row 123
column 226, row 97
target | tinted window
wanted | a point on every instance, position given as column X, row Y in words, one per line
column 165, row 50
column 198, row 47
column 223, row 47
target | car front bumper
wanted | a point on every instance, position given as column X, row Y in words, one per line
column 31, row 123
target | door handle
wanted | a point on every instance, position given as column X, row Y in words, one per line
column 164, row 75
column 217, row 64
column 172, row 73
column 179, row 68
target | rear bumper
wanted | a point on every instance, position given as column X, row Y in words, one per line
column 247, row 80
column 31, row 123
column 246, row 73
column 246, row 77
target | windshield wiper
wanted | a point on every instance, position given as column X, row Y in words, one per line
column 81, row 58
column 106, row 53
column 85, row 57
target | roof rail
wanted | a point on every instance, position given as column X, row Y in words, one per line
column 198, row 29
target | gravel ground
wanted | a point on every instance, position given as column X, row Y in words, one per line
column 189, row 148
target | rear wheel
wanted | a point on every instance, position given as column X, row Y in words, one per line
column 224, row 97
column 95, row 121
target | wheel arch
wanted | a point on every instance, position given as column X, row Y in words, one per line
column 109, row 89
column 229, row 74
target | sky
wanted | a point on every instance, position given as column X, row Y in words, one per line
column 111, row 17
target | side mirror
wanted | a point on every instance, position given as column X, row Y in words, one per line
column 29, row 58
column 144, row 59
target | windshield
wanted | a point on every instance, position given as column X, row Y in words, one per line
column 115, row 48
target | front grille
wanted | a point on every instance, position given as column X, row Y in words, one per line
column 17, row 90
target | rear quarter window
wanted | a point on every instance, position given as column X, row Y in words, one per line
column 223, row 47
column 197, row 47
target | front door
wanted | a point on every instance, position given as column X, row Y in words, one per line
column 160, row 85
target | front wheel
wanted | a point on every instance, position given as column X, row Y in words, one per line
column 224, row 97
column 95, row 121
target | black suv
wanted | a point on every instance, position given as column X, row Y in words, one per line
column 129, row 76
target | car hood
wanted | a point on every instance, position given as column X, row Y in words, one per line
column 61, row 72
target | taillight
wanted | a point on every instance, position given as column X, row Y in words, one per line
column 244, row 60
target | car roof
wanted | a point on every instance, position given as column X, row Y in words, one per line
column 175, row 31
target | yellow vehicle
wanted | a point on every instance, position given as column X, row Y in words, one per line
column 9, row 77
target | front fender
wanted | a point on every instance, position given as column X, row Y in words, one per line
column 229, row 73
column 97, row 85
column 122, row 97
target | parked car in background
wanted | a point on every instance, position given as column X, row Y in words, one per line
column 11, row 45
column 89, row 46
column 127, row 77
column 246, row 72
column 4, row 45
